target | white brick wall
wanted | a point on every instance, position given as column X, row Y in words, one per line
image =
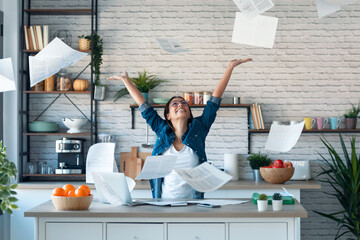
column 312, row 71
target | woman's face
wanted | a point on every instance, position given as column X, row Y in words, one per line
column 178, row 109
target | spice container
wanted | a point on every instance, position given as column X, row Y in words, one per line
column 206, row 97
column 50, row 84
column 188, row 96
column 63, row 82
column 198, row 98
column 38, row 87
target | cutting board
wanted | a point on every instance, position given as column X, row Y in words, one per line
column 132, row 162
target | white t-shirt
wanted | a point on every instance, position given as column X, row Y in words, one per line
column 174, row 186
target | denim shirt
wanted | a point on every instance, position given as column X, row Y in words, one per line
column 194, row 137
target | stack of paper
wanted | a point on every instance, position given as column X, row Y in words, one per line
column 7, row 82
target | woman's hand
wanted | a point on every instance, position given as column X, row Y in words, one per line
column 236, row 62
column 123, row 77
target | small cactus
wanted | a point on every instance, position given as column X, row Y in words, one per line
column 263, row 197
column 277, row 196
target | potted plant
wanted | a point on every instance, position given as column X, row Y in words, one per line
column 7, row 190
column 351, row 116
column 262, row 202
column 277, row 202
column 143, row 82
column 84, row 42
column 343, row 174
column 258, row 160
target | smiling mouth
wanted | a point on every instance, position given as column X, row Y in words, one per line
column 180, row 109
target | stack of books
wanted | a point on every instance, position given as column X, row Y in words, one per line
column 257, row 117
column 36, row 37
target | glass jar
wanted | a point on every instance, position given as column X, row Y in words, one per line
column 198, row 98
column 38, row 87
column 63, row 82
column 64, row 35
column 188, row 96
column 50, row 84
column 206, row 97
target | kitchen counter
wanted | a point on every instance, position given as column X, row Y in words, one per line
column 103, row 221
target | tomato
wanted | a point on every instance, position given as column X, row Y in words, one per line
column 266, row 167
column 288, row 164
column 278, row 163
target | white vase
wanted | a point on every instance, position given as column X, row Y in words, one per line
column 277, row 205
column 262, row 205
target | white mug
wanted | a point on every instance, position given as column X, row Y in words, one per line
column 293, row 122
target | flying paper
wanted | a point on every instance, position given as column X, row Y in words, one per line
column 252, row 8
column 55, row 56
column 7, row 82
column 282, row 138
column 325, row 8
column 258, row 31
column 171, row 45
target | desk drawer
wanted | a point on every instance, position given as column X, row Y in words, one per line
column 138, row 231
column 196, row 231
column 258, row 231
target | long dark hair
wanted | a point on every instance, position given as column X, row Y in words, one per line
column 167, row 110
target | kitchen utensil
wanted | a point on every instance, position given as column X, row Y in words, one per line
column 40, row 126
column 72, row 203
column 160, row 100
column 147, row 144
column 276, row 175
column 129, row 159
column 74, row 124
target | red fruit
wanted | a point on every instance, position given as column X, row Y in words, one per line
column 288, row 164
column 278, row 163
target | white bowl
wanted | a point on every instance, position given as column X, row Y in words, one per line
column 74, row 124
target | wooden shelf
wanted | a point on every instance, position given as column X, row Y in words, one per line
column 200, row 105
column 57, row 92
column 57, row 134
column 36, row 51
column 59, row 11
column 312, row 131
column 54, row 175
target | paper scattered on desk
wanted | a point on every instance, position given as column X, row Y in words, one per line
column 100, row 158
column 282, row 138
column 157, row 167
column 204, row 178
column 171, row 45
column 55, row 56
column 252, row 8
column 221, row 202
column 7, row 82
column 258, row 31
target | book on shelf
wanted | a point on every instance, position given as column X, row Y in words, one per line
column 39, row 37
column 45, row 35
column 252, row 109
column 261, row 118
column 257, row 117
column 26, row 38
column 33, row 37
column 36, row 37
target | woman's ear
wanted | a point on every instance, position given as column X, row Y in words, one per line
column 167, row 116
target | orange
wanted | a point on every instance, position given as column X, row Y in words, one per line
column 86, row 188
column 59, row 192
column 71, row 193
column 81, row 192
column 68, row 188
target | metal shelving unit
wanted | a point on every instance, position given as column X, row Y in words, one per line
column 24, row 134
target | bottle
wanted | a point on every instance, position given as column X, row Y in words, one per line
column 198, row 98
column 206, row 97
column 188, row 96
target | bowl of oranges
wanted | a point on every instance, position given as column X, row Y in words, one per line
column 70, row 198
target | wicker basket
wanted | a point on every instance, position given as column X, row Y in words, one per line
column 277, row 175
column 84, row 44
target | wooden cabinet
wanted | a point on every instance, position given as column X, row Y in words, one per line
column 196, row 231
column 138, row 231
column 73, row 231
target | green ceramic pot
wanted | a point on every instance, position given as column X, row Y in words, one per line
column 40, row 126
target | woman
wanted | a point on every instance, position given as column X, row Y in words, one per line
column 179, row 134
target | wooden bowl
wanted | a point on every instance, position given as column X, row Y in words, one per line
column 277, row 175
column 72, row 203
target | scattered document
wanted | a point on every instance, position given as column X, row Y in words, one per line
column 325, row 8
column 204, row 178
column 100, row 158
column 7, row 82
column 221, row 202
column 157, row 167
column 174, row 203
column 55, row 56
column 259, row 31
column 171, row 45
column 282, row 138
column 252, row 8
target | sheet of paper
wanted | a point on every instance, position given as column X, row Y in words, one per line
column 252, row 8
column 204, row 178
column 341, row 2
column 55, row 56
column 100, row 158
column 171, row 45
column 282, row 138
column 7, row 82
column 167, row 203
column 325, row 8
column 259, row 31
column 221, row 202
column 157, row 167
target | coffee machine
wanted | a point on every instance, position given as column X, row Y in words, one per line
column 71, row 159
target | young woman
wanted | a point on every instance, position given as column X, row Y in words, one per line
column 180, row 134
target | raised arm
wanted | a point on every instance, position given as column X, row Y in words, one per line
column 220, row 88
column 134, row 92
